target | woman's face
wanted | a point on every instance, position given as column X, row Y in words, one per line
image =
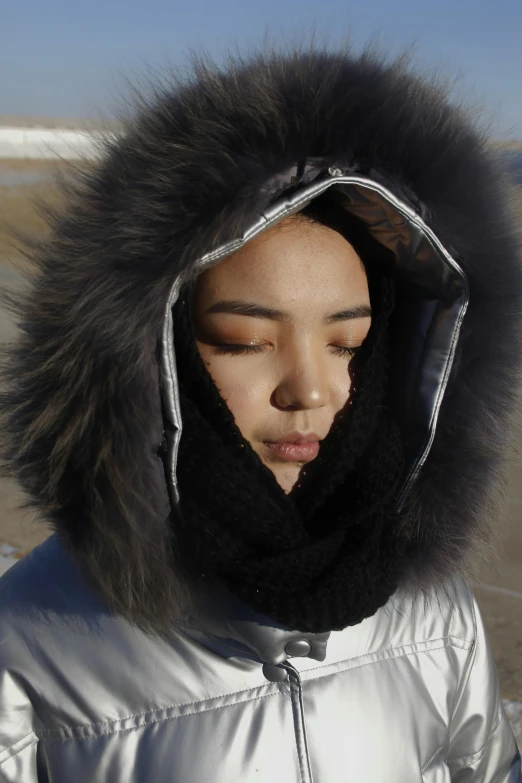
column 276, row 324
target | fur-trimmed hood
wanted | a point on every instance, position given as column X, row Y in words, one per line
column 82, row 390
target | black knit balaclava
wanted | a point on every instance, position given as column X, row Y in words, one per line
column 324, row 556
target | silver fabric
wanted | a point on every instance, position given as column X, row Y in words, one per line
column 409, row 695
column 438, row 304
column 170, row 393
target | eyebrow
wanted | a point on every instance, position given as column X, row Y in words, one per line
column 240, row 307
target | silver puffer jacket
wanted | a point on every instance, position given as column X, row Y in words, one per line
column 408, row 695
column 104, row 677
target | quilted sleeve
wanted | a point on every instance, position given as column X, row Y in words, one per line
column 482, row 745
column 18, row 742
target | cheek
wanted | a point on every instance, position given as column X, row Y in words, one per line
column 246, row 388
column 340, row 385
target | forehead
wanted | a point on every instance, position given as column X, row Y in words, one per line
column 296, row 259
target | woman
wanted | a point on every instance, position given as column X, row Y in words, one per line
column 263, row 392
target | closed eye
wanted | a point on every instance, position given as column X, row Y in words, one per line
column 343, row 350
column 231, row 349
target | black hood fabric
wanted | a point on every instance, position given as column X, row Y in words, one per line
column 81, row 401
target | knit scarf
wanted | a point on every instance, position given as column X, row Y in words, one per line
column 322, row 557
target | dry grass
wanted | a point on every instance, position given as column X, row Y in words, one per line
column 512, row 146
column 28, row 165
column 19, row 210
column 18, row 213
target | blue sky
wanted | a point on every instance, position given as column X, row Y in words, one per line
column 70, row 57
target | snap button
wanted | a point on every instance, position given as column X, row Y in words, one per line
column 274, row 673
column 334, row 171
column 298, row 648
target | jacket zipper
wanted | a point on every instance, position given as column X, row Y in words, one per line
column 296, row 695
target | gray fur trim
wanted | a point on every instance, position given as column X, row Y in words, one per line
column 80, row 403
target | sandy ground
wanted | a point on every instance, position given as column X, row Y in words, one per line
column 500, row 598
column 68, row 123
column 17, row 529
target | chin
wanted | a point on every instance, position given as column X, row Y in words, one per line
column 288, row 480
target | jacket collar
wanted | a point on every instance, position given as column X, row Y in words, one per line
column 220, row 621
column 228, row 624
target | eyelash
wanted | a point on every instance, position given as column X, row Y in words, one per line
column 342, row 350
column 234, row 350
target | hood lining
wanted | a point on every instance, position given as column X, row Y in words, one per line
column 274, row 214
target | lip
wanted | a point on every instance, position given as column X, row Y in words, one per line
column 298, row 438
column 296, row 446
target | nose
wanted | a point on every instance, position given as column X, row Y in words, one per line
column 303, row 384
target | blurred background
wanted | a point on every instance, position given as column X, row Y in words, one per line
column 65, row 74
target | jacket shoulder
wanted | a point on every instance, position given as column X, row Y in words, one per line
column 46, row 581
column 447, row 612
column 29, row 592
